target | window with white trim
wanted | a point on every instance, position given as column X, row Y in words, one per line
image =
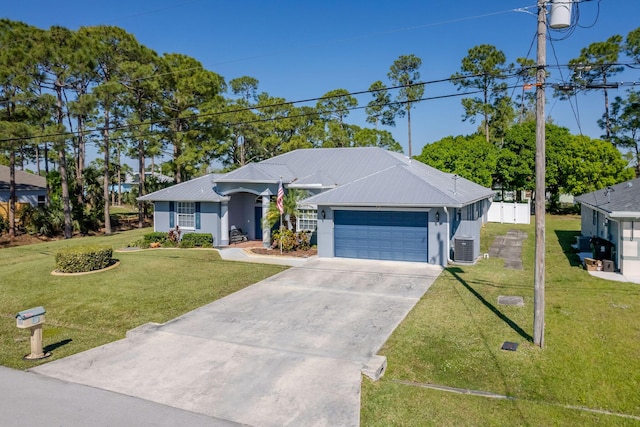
column 307, row 220
column 186, row 214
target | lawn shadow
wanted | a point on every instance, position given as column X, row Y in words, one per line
column 455, row 271
column 566, row 239
column 56, row 345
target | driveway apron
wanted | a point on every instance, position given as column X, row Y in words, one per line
column 288, row 350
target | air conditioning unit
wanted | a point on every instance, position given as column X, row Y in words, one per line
column 463, row 249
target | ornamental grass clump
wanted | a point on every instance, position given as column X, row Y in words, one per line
column 83, row 259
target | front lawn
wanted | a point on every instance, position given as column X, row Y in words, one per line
column 453, row 337
column 90, row 310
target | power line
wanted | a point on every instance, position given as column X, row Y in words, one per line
column 259, row 107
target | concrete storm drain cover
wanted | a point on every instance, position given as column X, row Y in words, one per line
column 511, row 300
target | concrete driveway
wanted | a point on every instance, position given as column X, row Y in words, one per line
column 288, row 350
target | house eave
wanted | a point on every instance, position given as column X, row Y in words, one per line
column 624, row 215
column 248, row 181
column 388, row 205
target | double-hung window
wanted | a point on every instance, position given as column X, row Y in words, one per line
column 307, row 220
column 186, row 214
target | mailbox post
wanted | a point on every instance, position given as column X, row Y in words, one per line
column 33, row 319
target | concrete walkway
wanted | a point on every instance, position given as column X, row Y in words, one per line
column 509, row 247
column 287, row 351
column 609, row 275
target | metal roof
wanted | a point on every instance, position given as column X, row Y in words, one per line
column 24, row 180
column 620, row 200
column 259, row 172
column 341, row 165
column 196, row 190
column 315, row 180
column 400, row 185
column 367, row 176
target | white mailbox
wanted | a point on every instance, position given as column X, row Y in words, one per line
column 31, row 317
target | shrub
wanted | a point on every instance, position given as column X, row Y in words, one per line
column 291, row 241
column 83, row 258
column 191, row 240
column 153, row 237
column 304, row 240
column 48, row 221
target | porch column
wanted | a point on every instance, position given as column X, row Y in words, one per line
column 266, row 231
column 224, row 223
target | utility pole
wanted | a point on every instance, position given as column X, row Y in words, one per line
column 538, row 302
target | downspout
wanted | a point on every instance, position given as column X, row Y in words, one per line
column 448, row 234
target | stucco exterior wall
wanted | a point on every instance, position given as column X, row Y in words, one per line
column 209, row 219
column 630, row 250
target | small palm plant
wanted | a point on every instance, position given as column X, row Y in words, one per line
column 290, row 209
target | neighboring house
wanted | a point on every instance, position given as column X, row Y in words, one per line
column 30, row 188
column 364, row 203
column 132, row 180
column 613, row 214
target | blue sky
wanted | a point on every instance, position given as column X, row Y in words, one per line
column 300, row 50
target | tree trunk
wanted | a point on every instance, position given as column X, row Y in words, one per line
column 141, row 180
column 12, row 194
column 46, row 174
column 62, row 167
column 119, row 175
column 105, row 180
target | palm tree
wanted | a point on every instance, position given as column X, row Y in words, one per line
column 290, row 208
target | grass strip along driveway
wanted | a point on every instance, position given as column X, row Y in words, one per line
column 90, row 310
column 588, row 373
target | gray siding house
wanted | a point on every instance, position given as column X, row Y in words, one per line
column 363, row 203
column 30, row 188
column 613, row 214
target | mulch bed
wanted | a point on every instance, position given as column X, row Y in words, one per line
column 276, row 252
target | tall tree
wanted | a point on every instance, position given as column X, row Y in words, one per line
column 142, row 99
column 59, row 53
column 17, row 89
column 625, row 125
column 484, row 69
column 333, row 108
column 245, row 138
column 405, row 72
column 632, row 44
column 380, row 110
column 187, row 91
column 470, row 157
column 111, row 47
column 527, row 99
column 594, row 67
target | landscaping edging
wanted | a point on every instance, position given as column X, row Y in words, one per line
column 60, row 273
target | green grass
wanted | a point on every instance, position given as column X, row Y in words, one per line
column 453, row 336
column 90, row 310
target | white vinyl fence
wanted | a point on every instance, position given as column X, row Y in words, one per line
column 510, row 213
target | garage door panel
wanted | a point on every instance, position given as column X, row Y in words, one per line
column 387, row 235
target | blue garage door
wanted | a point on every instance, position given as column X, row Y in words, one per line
column 396, row 236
